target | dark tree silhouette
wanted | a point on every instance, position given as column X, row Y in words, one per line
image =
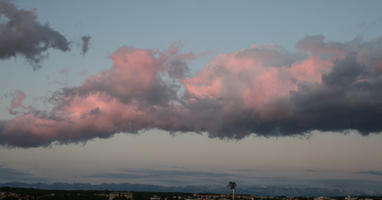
column 232, row 185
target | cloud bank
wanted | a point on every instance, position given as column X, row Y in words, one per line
column 263, row 90
column 22, row 35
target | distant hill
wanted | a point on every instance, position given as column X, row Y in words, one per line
column 254, row 190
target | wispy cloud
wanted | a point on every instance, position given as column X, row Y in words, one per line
column 245, row 170
column 349, row 184
column 370, row 172
column 175, row 177
column 311, row 170
column 9, row 174
column 116, row 175
column 151, row 173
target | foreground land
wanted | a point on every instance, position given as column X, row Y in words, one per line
column 14, row 193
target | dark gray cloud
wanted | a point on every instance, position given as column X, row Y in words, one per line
column 85, row 44
column 22, row 35
column 370, row 172
column 348, row 99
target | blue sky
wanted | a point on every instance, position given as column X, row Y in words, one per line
column 206, row 28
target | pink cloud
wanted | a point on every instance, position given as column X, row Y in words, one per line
column 263, row 89
column 378, row 66
column 17, row 101
column 311, row 69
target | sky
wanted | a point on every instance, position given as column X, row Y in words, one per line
column 191, row 92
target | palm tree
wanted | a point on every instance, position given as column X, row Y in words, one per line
column 232, row 185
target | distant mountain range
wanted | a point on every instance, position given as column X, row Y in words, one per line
column 253, row 190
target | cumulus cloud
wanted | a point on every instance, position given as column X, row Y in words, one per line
column 263, row 90
column 22, row 35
